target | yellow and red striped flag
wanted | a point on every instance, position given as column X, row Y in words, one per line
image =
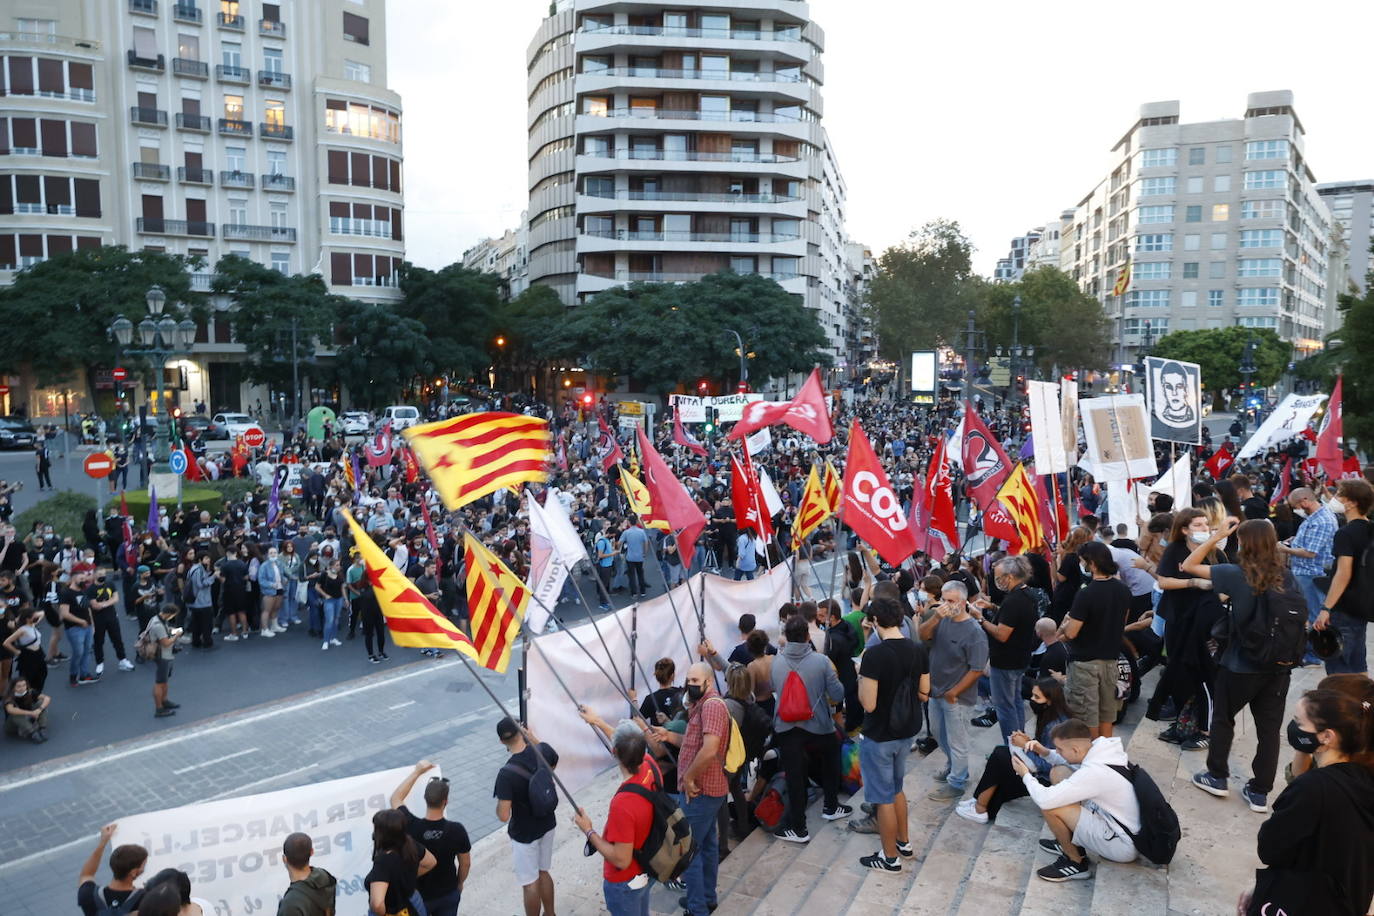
column 496, row 604
column 1020, row 501
column 1123, row 280
column 412, row 620
column 479, row 453
column 832, row 487
column 641, row 503
column 813, row 510
column 348, row 471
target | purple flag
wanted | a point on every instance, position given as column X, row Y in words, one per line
column 1028, row 448
column 357, row 478
column 274, row 500
column 154, row 527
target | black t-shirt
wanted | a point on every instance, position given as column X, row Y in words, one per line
column 743, row 656
column 513, row 787
column 447, row 840
column 331, row 585
column 1054, row 658
column 667, row 700
column 235, row 573
column 93, row 899
column 1018, row 610
column 1351, row 540
column 9, row 600
column 1254, row 507
column 400, row 879
column 76, row 605
column 888, row 663
column 101, row 592
column 1101, row 605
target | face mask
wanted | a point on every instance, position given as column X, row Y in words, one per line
column 1303, row 742
column 1087, row 573
column 1163, row 542
column 1300, row 513
column 21, row 693
column 922, row 595
column 1038, row 707
column 694, row 692
column 1199, row 537
column 1336, row 506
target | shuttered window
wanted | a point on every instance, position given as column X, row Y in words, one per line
column 360, row 172
column 355, row 28
column 7, row 256
column 195, row 210
column 87, row 197
column 50, row 76
column 338, row 166
column 25, row 133
column 152, row 206
column 59, row 244
column 379, row 172
column 6, row 195
column 396, row 224
column 58, row 191
column 27, row 189
column 21, row 75
column 54, row 135
column 81, row 76
column 341, row 269
column 83, row 139
column 396, row 176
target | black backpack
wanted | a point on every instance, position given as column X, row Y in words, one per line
column 669, row 848
column 542, row 790
column 1159, row 830
column 754, row 726
column 1274, row 636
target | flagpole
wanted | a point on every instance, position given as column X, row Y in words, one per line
column 559, row 678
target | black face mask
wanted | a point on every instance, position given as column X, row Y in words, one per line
column 1038, row 708
column 694, row 692
column 1303, row 742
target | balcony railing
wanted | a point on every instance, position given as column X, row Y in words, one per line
column 371, row 228
column 654, row 276
column 231, row 21
column 667, row 155
column 272, row 28
column 149, row 225
column 202, row 281
column 228, row 73
column 158, row 63
column 143, row 7
column 233, row 178
column 188, row 175
column 187, row 12
column 258, row 233
column 274, row 79
column 738, row 76
column 276, row 131
column 152, row 117
column 233, row 127
column 692, row 114
column 197, row 69
column 707, row 196
column 194, row 122
column 278, row 183
column 152, row 171
column 788, row 34
column 734, row 238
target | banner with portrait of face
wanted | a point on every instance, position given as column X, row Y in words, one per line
column 1175, row 392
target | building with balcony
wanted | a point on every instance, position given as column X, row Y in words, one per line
column 204, row 128
column 1352, row 210
column 507, row 257
column 1220, row 222
column 1010, row 268
column 669, row 143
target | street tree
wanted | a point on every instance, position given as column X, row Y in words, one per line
column 455, row 306
column 1220, row 352
column 383, row 353
column 277, row 317
column 1066, row 326
column 1347, row 353
column 528, row 328
column 923, row 290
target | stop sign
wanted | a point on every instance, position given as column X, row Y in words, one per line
column 254, row 437
column 119, row 373
column 98, row 465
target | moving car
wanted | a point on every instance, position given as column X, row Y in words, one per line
column 16, row 433
column 195, row 423
column 229, row 425
column 400, row 415
column 356, row 423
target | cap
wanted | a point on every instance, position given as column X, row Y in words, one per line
column 506, row 729
column 143, row 569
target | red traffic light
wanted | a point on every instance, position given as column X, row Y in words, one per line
column 701, row 386
column 743, row 387
column 586, row 400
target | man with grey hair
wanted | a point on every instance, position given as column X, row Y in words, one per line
column 1310, row 552
column 1010, row 630
column 625, row 884
column 958, row 654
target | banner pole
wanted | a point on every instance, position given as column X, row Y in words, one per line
column 839, row 552
column 631, row 637
column 559, row 678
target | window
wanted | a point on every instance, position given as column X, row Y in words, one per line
column 360, row 72
column 1151, row 187
column 1216, row 298
column 277, row 215
column 597, row 146
column 1272, row 178
column 188, row 47
column 236, row 158
column 1259, row 267
column 37, row 27
column 233, row 107
column 1259, row 296
column 1216, row 270
column 271, row 60
column 744, row 265
column 598, row 105
column 598, row 186
column 1162, row 241
column 1266, row 149
column 1153, row 270
column 1190, row 270
column 1193, row 214
column 785, row 268
column 1221, row 184
column 1197, row 155
column 281, row 262
column 276, row 162
column 1155, row 214
column 1223, row 155
column 1255, row 321
column 1148, row 298
column 1195, row 185
column 1261, row 238
column 231, row 54
column 1218, row 241
column 238, row 212
column 1188, row 298
column 1155, row 327
column 1221, row 213
column 1192, row 242
column 145, row 43
column 1262, row 209
column 355, row 28
column 1157, row 158
column 274, row 114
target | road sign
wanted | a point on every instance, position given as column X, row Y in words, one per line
column 254, row 437
column 98, row 465
column 177, row 462
column 119, row 373
column 4, row 390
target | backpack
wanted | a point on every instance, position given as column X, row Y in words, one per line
column 1274, row 636
column 1159, row 830
column 104, row 908
column 542, row 791
column 904, row 715
column 794, row 704
column 754, row 726
column 668, row 849
column 1361, row 586
column 734, row 744
column 146, row 647
column 772, row 806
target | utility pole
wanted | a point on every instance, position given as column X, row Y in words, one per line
column 295, row 381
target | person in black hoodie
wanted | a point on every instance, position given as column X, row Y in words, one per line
column 1316, row 845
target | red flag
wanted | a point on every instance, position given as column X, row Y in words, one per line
column 684, row 438
column 1329, row 453
column 430, row 534
column 1351, row 469
column 1310, row 468
column 123, row 505
column 609, row 447
column 671, row 497
column 412, row 465
column 807, row 413
column 1052, row 510
column 998, row 523
column 192, row 466
column 1219, row 463
column 1285, row 483
column 985, row 463
column 747, row 496
column 870, row 505
column 941, row 528
column 379, row 450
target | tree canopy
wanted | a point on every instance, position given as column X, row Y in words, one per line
column 455, row 306
column 267, row 303
column 924, row 289
column 1066, row 326
column 383, row 355
column 1220, row 351
column 1348, row 352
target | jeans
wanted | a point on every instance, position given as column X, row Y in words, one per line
column 1314, row 597
column 1006, row 699
column 79, row 638
column 1267, row 696
column 1352, row 659
column 446, row 905
column 332, row 606
column 634, row 570
column 621, row 899
column 950, row 724
column 287, row 609
column 744, row 574
column 316, row 611
column 700, row 876
column 797, row 747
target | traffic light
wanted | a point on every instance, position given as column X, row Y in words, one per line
column 587, row 400
column 702, row 386
column 742, row 388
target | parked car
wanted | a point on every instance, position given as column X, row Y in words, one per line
column 400, row 415
column 16, row 433
column 229, row 425
column 356, row 423
column 195, row 423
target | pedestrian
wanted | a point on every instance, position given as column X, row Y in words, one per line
column 746, row 557
column 1342, row 608
column 1309, row 552
column 233, row 593
column 26, row 711
column 634, row 544
column 397, row 864
column 127, row 862
column 330, row 586
column 312, row 890
column 1011, row 639
column 271, row 583
column 43, row 464
column 625, row 885
column 441, row 888
column 25, row 644
column 102, row 599
column 200, row 580
column 703, row 784
column 75, row 614
column 531, row 833
column 958, row 653
column 161, row 631
column 605, row 566
column 1094, row 629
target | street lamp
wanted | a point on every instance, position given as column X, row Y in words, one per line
column 743, row 363
column 160, row 336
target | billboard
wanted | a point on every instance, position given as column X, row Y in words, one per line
column 924, row 377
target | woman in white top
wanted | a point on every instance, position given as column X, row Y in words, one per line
column 25, row 645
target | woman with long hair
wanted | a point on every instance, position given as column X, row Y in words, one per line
column 1240, row 680
column 397, row 863
column 999, row 783
column 1068, row 578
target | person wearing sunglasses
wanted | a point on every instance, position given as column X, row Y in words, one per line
column 441, row 889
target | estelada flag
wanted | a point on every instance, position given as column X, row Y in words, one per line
column 470, row 456
column 496, row 604
column 746, row 495
column 348, row 471
column 641, row 503
column 870, row 504
column 1123, row 280
column 671, row 499
column 412, row 620
column 807, row 413
column 1021, row 503
column 831, row 486
column 813, row 509
column 985, row 463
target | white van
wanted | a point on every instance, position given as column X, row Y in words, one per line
column 400, row 415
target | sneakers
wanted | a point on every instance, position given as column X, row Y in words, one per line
column 1174, row 734
column 168, row 704
column 945, row 793
column 324, row 647
column 278, row 628
column 906, row 850
column 266, row 634
column 100, row 668
column 374, row 659
column 1196, row 743
column 125, row 665
column 335, row 642
column 94, row 679
column 682, row 901
column 1051, row 845
column 924, row 746
column 164, row 712
column 880, row 862
column 675, row 885
column 1258, row 803
column 986, row 720
column 943, row 774
column 1212, row 785
column 787, row 834
column 383, row 656
column 841, row 811
column 968, row 810
column 863, row 825
column 231, row 638
column 1066, row 869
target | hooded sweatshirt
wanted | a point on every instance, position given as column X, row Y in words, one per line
column 822, row 685
column 311, row 896
column 1093, row 781
column 1324, row 822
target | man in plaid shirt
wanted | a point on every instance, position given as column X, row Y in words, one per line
column 701, row 765
column 1310, row 550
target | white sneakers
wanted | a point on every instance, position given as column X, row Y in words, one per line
column 266, row 634
column 278, row 628
column 335, row 642
column 324, row 646
column 231, row 638
column 99, row 669
column 125, row 665
column 968, row 810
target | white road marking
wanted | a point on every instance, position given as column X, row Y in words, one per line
column 237, row 790
column 402, row 705
column 197, row 766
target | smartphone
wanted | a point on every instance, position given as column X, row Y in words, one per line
column 1021, row 754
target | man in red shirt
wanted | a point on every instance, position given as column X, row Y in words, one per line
column 701, row 769
column 625, row 884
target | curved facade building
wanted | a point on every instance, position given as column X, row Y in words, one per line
column 669, row 143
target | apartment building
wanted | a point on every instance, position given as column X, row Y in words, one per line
column 666, row 143
column 203, row 128
column 1010, row 268
column 1352, row 209
column 506, row 256
column 1221, row 223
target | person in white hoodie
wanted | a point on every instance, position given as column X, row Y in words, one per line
column 1090, row 805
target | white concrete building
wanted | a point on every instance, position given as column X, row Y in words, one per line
column 506, row 256
column 1010, row 268
column 1352, row 208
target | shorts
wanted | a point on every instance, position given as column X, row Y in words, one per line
column 1102, row 836
column 883, row 765
column 1091, row 693
column 164, row 671
column 530, row 859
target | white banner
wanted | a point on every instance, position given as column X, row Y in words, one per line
column 1288, row 420
column 1118, row 433
column 758, row 441
column 730, row 407
column 232, row 848
column 1068, row 412
column 690, row 408
column 1121, row 507
column 1047, row 428
column 1176, row 482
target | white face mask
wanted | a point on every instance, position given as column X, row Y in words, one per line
column 1199, row 537
column 922, row 595
column 1336, row 506
column 1163, row 542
